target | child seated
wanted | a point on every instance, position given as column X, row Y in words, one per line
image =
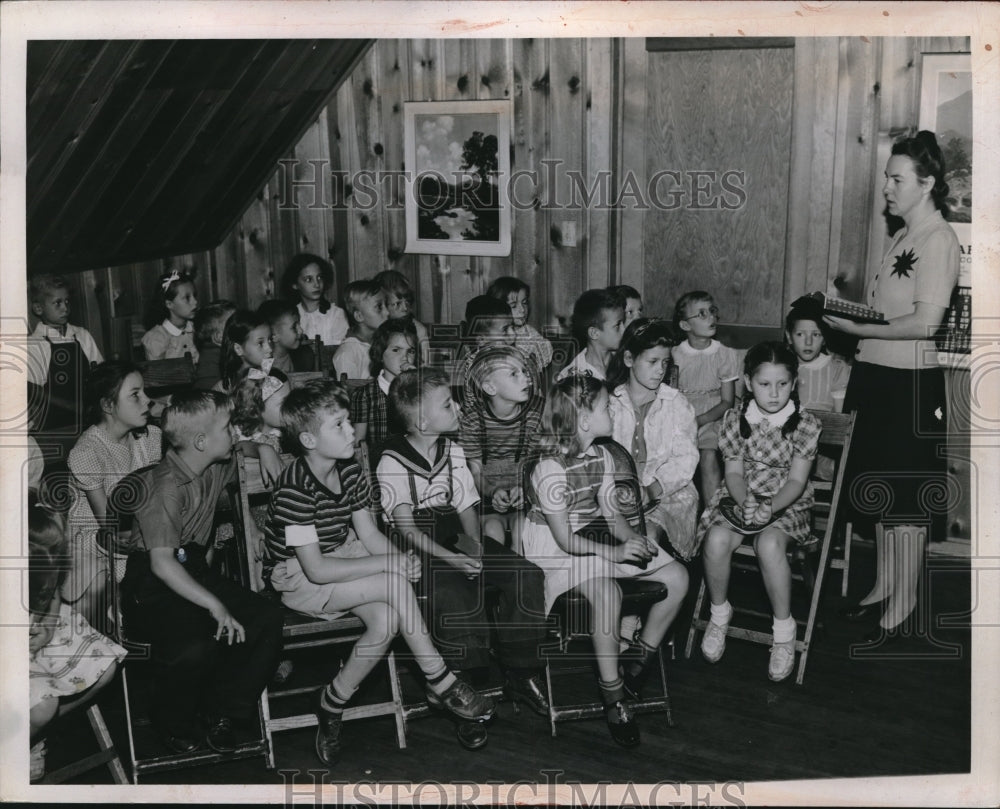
column 430, row 497
column 393, row 351
column 69, row 661
column 821, row 374
column 632, row 299
column 399, row 306
column 657, row 424
column 209, row 325
column 517, row 295
column 246, row 343
column 769, row 444
column 364, row 303
column 214, row 644
column 50, row 303
column 326, row 557
column 500, row 429
column 706, row 374
column 257, row 401
column 598, row 320
column 573, row 486
column 119, row 440
column 308, row 282
column 286, row 332
column 488, row 321
column 170, row 319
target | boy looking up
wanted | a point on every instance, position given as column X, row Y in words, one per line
column 598, row 321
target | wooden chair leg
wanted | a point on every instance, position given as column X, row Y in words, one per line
column 696, row 618
column 848, row 537
column 397, row 699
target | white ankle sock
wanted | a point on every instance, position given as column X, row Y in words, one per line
column 721, row 613
column 783, row 629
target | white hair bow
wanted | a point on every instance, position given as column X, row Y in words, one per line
column 271, row 383
column 174, row 276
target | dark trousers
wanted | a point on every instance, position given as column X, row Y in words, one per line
column 194, row 672
column 508, row 596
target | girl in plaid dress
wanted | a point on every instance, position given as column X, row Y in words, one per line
column 768, row 444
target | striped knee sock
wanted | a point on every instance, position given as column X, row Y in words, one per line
column 441, row 679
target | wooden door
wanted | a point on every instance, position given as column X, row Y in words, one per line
column 716, row 128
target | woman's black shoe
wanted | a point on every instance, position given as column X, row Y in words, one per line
column 528, row 690
column 471, row 735
column 621, row 722
column 861, row 613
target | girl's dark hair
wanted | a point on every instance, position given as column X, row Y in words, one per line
column 777, row 354
column 247, row 402
column 48, row 553
column 104, row 383
column 238, row 327
column 807, row 308
column 291, row 276
column 384, row 333
column 562, row 407
column 640, row 335
column 928, row 161
column 680, row 308
column 504, row 286
column 166, row 290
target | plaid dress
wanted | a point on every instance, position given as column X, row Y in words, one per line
column 767, row 459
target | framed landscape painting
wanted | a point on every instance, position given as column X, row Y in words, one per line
column 457, row 168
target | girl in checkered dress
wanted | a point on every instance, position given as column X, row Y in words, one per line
column 769, row 444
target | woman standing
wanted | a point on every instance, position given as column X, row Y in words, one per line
column 896, row 467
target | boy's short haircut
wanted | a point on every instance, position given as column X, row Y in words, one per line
column 42, row 284
column 304, row 408
column 626, row 293
column 480, row 309
column 395, row 283
column 182, row 417
column 685, row 300
column 383, row 334
column 489, row 359
column 355, row 292
column 589, row 309
column 407, row 391
column 274, row 311
column 206, row 320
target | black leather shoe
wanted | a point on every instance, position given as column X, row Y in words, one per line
column 327, row 732
column 530, row 691
column 862, row 613
column 220, row 736
column 181, row 744
column 462, row 701
column 471, row 735
column 621, row 722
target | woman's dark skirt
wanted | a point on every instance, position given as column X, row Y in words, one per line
column 897, row 471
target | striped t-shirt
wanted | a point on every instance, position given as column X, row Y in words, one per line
column 300, row 499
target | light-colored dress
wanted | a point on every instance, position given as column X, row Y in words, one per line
column 700, row 374
column 73, row 660
column 165, row 342
column 331, row 325
column 574, row 486
column 767, row 460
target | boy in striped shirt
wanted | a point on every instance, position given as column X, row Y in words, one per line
column 330, row 558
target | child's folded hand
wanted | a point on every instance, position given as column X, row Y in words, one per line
column 501, row 500
column 632, row 549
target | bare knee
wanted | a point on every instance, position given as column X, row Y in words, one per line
column 718, row 544
column 770, row 546
column 42, row 714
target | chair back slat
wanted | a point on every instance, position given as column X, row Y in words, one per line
column 296, row 379
column 176, row 372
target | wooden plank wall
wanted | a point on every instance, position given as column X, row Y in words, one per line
column 569, row 104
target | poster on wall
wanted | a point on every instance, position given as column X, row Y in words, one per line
column 946, row 110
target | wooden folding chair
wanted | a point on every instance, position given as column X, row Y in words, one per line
column 837, row 431
column 115, row 539
column 107, row 754
column 300, row 631
column 164, row 377
column 573, row 611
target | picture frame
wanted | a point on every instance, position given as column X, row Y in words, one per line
column 946, row 110
column 457, row 157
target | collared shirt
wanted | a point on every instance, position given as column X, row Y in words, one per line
column 818, row 379
column 921, row 264
column 407, row 478
column 580, row 365
column 330, row 326
column 178, row 506
column 165, row 341
column 755, row 415
column 40, row 348
column 352, row 359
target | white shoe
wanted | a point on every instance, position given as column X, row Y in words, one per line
column 782, row 661
column 713, row 645
column 37, row 768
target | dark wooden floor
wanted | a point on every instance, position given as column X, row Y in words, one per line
column 898, row 709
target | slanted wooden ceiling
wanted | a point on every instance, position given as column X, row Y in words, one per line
column 146, row 149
